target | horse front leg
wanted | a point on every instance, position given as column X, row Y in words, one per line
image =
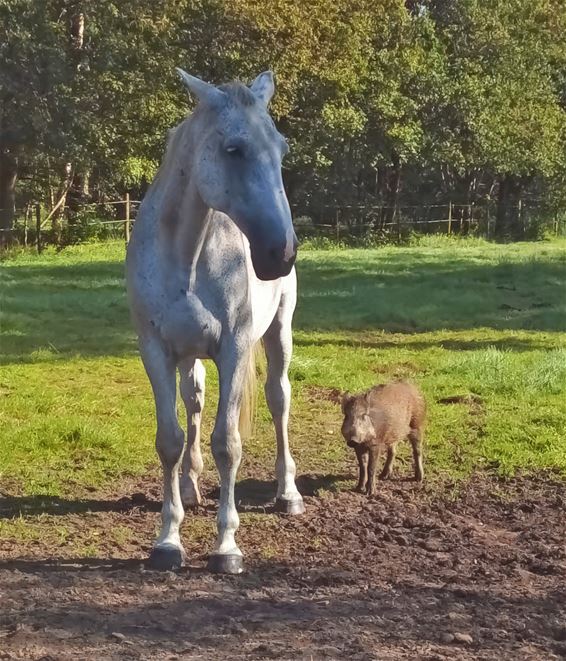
column 227, row 452
column 168, row 552
column 192, row 387
column 278, row 349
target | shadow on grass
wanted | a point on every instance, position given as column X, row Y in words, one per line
column 250, row 494
column 415, row 296
column 77, row 309
column 81, row 309
column 380, row 342
column 16, row 506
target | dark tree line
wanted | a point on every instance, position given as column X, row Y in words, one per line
column 385, row 102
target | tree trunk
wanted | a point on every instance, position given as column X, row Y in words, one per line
column 393, row 187
column 77, row 30
column 8, row 176
column 57, row 217
column 501, row 222
column 76, row 38
column 507, row 226
column 79, row 194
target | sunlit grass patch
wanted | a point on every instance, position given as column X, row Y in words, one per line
column 76, row 410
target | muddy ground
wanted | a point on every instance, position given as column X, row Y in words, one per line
column 416, row 573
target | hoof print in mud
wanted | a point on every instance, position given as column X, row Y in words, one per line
column 291, row 507
column 225, row 564
column 166, row 559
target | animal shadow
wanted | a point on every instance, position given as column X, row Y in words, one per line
column 259, row 495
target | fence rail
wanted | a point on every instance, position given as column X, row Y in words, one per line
column 340, row 221
column 23, row 217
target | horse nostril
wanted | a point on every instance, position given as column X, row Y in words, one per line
column 273, row 254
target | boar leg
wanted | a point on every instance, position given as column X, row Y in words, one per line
column 388, row 468
column 416, row 439
column 362, row 455
column 374, row 453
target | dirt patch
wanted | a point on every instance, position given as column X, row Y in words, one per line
column 477, row 573
column 324, row 394
column 468, row 399
column 403, row 370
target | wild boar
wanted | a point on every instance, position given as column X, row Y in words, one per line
column 377, row 420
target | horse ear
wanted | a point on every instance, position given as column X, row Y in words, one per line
column 264, row 87
column 201, row 90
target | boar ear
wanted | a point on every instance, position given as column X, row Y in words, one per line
column 347, row 398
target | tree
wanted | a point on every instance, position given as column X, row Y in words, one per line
column 386, row 102
column 501, row 116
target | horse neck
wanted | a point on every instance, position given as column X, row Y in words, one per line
column 181, row 213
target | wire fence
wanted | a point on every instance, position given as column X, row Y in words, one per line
column 392, row 223
column 33, row 226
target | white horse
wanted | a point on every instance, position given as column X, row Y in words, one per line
column 209, row 273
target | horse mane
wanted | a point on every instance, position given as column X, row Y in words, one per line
column 174, row 136
column 239, row 93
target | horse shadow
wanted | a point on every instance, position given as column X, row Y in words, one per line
column 252, row 495
column 22, row 506
column 259, row 495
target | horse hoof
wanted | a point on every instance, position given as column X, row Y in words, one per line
column 191, row 499
column 229, row 563
column 291, row 507
column 191, row 506
column 166, row 558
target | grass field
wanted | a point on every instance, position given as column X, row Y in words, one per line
column 76, row 412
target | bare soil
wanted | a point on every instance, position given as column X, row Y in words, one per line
column 477, row 572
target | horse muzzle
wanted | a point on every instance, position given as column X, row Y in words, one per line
column 275, row 260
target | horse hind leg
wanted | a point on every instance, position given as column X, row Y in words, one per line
column 278, row 349
column 168, row 552
column 192, row 387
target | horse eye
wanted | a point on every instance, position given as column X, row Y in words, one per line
column 232, row 149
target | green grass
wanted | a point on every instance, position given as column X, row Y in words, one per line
column 76, row 410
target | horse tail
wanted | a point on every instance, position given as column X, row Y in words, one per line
column 249, row 396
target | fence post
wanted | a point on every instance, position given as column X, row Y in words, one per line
column 38, row 227
column 337, row 225
column 450, row 217
column 127, row 228
column 26, row 217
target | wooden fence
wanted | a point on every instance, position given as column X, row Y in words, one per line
column 32, row 216
column 340, row 222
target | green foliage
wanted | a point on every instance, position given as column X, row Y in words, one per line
column 383, row 101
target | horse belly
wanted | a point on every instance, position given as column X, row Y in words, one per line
column 265, row 301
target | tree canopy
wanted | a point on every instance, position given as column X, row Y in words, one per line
column 384, row 102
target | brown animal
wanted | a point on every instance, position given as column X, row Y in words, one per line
column 378, row 419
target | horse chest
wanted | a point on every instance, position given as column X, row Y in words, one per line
column 188, row 328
